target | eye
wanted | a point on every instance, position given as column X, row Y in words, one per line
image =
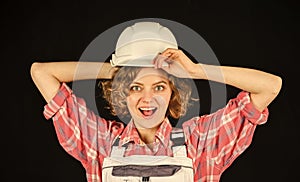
column 135, row 88
column 159, row 88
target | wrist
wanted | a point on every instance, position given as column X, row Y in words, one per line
column 198, row 71
column 106, row 71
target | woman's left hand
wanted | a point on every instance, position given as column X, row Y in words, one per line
column 179, row 64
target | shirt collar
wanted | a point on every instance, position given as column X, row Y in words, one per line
column 130, row 133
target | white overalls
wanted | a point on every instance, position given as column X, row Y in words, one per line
column 144, row 168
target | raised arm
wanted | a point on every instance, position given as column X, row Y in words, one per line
column 48, row 76
column 263, row 86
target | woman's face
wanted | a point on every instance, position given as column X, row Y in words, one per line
column 149, row 97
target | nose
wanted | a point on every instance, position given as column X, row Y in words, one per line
column 147, row 96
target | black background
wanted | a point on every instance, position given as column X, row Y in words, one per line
column 257, row 34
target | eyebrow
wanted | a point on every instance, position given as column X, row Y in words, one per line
column 156, row 83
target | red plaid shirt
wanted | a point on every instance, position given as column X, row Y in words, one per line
column 213, row 141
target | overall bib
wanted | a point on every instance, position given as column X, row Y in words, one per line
column 147, row 168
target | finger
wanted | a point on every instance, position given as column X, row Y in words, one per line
column 157, row 60
column 154, row 61
column 161, row 60
column 169, row 51
column 166, row 53
column 171, row 58
column 166, row 68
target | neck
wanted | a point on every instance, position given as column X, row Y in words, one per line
column 147, row 134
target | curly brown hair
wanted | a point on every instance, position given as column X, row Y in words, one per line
column 116, row 90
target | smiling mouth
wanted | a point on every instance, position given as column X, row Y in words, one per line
column 147, row 111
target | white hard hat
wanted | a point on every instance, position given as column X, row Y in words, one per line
column 140, row 43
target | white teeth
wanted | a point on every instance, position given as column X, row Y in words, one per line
column 147, row 108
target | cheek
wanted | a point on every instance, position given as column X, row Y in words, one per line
column 168, row 95
column 163, row 99
column 131, row 101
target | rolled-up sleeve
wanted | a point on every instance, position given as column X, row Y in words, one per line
column 217, row 139
column 83, row 134
column 235, row 129
column 248, row 109
column 57, row 101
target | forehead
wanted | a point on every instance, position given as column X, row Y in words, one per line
column 151, row 72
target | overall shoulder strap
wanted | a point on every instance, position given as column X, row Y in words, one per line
column 117, row 151
column 178, row 139
column 177, row 136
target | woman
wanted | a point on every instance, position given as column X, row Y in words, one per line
column 212, row 141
